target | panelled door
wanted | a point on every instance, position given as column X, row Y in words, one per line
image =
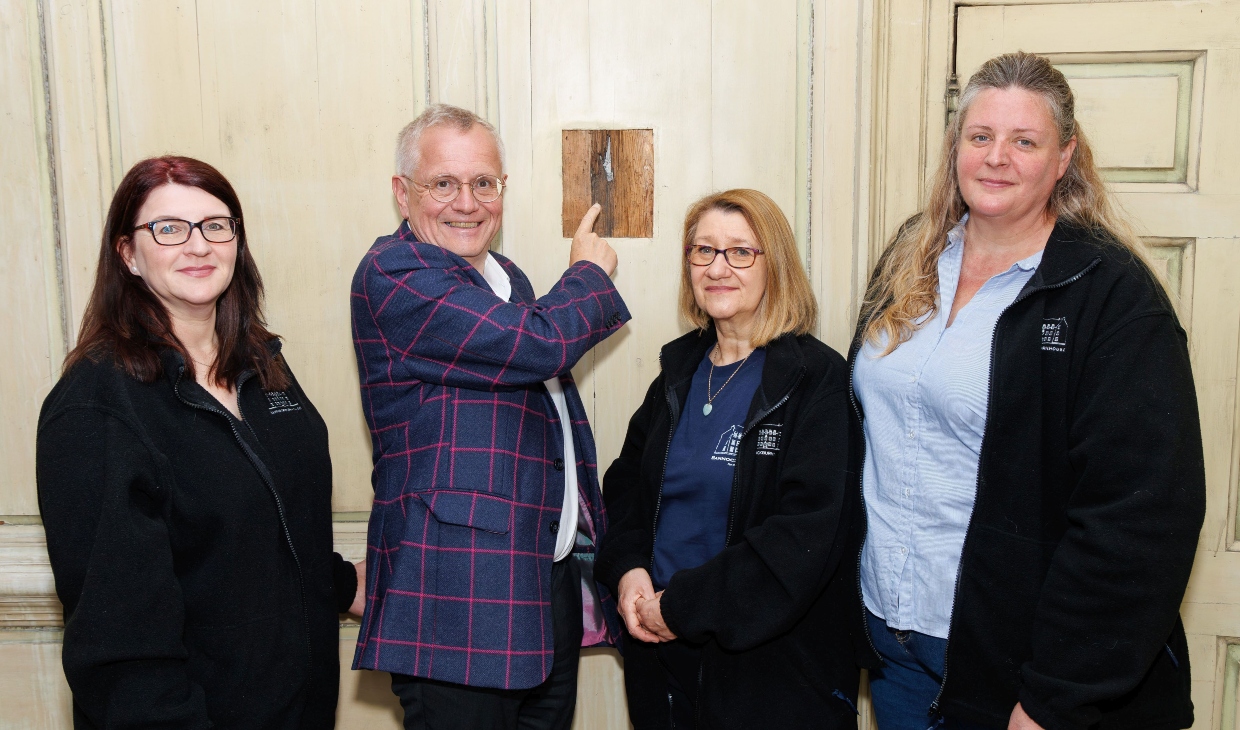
column 1158, row 95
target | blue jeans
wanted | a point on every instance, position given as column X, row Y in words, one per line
column 903, row 690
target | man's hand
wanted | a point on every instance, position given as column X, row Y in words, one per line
column 589, row 247
column 1021, row 721
column 359, row 598
column 651, row 614
column 635, row 589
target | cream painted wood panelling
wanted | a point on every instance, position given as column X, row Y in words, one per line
column 298, row 105
column 29, row 290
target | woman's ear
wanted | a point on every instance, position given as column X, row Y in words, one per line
column 124, row 247
column 1065, row 156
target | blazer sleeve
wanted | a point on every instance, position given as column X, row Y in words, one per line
column 101, row 496
column 1112, row 594
column 629, row 540
column 439, row 328
column 759, row 587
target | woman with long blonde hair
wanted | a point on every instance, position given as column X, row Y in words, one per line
column 1033, row 475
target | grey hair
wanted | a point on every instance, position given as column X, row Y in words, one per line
column 438, row 115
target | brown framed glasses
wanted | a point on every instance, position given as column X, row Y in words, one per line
column 738, row 257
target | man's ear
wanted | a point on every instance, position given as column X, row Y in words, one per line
column 401, row 191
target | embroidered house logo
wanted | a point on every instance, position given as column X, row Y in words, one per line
column 280, row 401
column 768, row 439
column 1055, row 334
column 729, row 444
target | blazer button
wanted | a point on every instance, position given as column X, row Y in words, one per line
column 555, row 526
column 558, row 464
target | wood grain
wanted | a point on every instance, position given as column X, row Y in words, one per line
column 29, row 299
column 613, row 167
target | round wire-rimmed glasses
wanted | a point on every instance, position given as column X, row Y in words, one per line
column 174, row 231
column 738, row 257
column 445, row 188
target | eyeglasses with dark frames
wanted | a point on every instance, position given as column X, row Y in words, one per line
column 445, row 188
column 174, row 231
column 738, row 257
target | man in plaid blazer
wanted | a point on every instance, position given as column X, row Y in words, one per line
column 484, row 464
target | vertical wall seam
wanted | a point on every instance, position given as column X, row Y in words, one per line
column 809, row 151
column 111, row 99
column 862, row 157
column 49, row 122
column 486, row 67
column 202, row 90
column 426, row 48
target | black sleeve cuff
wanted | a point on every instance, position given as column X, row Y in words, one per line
column 1040, row 713
column 344, row 577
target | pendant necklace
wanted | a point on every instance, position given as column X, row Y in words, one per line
column 706, row 409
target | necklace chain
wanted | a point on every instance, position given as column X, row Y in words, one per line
column 710, row 399
column 200, row 362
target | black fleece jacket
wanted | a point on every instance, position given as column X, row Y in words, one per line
column 773, row 609
column 1090, row 497
column 192, row 552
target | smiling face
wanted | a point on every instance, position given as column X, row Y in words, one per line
column 1009, row 157
column 730, row 296
column 464, row 226
column 190, row 277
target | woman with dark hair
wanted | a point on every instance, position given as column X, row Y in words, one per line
column 185, row 484
column 1033, row 475
column 729, row 548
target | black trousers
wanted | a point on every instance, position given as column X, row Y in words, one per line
column 433, row 705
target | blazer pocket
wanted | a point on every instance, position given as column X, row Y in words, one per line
column 480, row 511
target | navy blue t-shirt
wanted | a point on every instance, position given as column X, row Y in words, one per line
column 697, row 486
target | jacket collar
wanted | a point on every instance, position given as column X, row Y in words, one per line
column 785, row 365
column 405, row 233
column 174, row 364
column 1071, row 252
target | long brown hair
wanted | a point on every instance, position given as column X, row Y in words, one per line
column 905, row 284
column 126, row 322
column 788, row 305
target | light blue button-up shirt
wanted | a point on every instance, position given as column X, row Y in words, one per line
column 925, row 412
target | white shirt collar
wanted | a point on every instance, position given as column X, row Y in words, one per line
column 497, row 278
column 955, row 237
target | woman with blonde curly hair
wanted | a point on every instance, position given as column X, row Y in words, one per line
column 1033, row 475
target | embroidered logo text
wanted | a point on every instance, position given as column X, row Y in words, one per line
column 729, row 444
column 1055, row 334
column 281, row 401
column 768, row 439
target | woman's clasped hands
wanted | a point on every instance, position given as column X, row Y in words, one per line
column 641, row 608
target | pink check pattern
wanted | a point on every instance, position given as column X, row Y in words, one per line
column 468, row 458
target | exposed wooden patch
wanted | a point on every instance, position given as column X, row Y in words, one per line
column 613, row 167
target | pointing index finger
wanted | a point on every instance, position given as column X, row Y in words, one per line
column 587, row 221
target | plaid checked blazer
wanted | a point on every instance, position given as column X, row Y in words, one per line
column 468, row 460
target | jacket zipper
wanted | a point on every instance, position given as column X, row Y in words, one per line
column 934, row 706
column 673, row 414
column 736, row 472
column 262, row 473
column 736, row 480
